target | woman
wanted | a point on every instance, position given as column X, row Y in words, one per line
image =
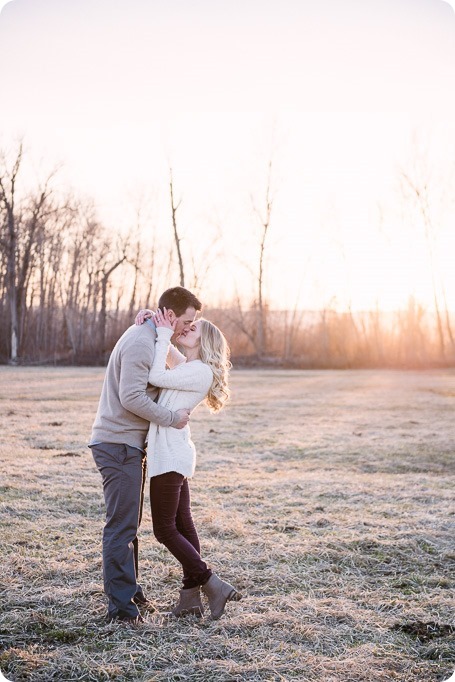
column 199, row 375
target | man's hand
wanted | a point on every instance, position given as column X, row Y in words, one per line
column 184, row 418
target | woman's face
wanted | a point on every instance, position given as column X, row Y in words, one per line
column 190, row 338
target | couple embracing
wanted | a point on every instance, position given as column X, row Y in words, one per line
column 141, row 428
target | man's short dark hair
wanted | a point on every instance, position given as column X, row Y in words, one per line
column 178, row 299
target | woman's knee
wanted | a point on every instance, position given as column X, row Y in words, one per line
column 165, row 532
column 186, row 526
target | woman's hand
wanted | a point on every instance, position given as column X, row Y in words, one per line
column 143, row 315
column 161, row 319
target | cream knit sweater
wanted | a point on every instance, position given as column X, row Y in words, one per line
column 185, row 384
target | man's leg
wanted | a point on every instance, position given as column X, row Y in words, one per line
column 122, row 471
column 139, row 597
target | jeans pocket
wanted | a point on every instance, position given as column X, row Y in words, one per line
column 109, row 454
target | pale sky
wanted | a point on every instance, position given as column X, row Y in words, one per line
column 337, row 88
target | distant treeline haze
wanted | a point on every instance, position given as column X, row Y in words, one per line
column 69, row 288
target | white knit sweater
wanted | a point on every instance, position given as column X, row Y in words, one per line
column 185, row 384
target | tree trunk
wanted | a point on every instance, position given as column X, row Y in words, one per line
column 174, row 209
column 8, row 201
column 102, row 323
column 261, row 340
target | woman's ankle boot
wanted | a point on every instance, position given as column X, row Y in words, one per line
column 189, row 603
column 219, row 593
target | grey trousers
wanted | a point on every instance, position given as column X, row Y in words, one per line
column 122, row 469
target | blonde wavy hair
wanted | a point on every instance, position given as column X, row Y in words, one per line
column 214, row 351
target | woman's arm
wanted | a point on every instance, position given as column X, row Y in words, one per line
column 174, row 357
column 185, row 377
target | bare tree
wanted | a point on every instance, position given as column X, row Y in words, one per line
column 177, row 239
column 205, row 259
column 292, row 323
column 420, row 191
column 135, row 260
column 24, row 225
column 105, row 275
column 264, row 217
column 256, row 330
column 8, row 193
column 430, row 191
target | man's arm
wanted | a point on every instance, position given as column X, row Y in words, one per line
column 134, row 371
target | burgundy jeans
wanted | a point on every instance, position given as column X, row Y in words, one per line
column 173, row 525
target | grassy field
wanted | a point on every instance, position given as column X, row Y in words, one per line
column 326, row 497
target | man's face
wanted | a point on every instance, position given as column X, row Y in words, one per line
column 184, row 322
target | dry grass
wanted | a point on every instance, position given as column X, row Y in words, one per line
column 325, row 496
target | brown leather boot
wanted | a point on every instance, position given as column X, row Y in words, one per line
column 189, row 603
column 219, row 593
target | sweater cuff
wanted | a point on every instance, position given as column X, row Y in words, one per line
column 175, row 419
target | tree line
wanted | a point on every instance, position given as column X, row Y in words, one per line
column 69, row 287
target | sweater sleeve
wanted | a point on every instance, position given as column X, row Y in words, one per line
column 133, row 384
column 188, row 376
column 174, row 357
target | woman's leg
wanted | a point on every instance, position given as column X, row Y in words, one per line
column 186, row 527
column 171, row 514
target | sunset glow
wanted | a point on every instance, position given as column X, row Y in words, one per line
column 340, row 97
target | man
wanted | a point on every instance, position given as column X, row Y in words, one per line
column 125, row 411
